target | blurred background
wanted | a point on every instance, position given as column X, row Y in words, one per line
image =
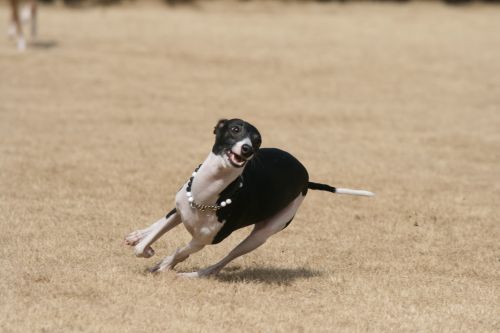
column 109, row 107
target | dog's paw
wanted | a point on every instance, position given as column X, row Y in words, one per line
column 207, row 272
column 134, row 237
column 190, row 275
column 167, row 263
column 159, row 267
column 148, row 252
column 155, row 269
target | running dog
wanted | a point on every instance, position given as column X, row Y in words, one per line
column 238, row 185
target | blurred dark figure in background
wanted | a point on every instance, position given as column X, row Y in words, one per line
column 20, row 16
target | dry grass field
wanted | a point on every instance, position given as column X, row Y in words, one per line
column 108, row 112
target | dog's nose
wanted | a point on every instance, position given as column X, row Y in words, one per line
column 246, row 151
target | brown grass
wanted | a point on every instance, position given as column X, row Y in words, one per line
column 107, row 114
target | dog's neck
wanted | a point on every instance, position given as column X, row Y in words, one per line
column 212, row 178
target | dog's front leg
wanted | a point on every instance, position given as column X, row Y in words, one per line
column 142, row 239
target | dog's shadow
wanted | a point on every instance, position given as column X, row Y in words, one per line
column 267, row 275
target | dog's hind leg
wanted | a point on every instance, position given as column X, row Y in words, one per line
column 179, row 255
column 142, row 239
column 261, row 232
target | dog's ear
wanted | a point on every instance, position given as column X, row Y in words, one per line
column 220, row 124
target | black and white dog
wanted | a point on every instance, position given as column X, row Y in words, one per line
column 236, row 186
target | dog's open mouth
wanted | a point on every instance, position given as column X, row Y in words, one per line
column 235, row 159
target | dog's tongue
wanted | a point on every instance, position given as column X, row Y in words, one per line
column 237, row 159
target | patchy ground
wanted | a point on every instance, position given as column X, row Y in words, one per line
column 108, row 112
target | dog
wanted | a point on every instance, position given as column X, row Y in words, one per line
column 28, row 14
column 239, row 184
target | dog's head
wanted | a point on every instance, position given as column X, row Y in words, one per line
column 236, row 141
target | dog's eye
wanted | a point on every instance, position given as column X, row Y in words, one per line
column 235, row 129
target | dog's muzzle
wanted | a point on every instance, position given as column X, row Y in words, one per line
column 236, row 160
column 239, row 160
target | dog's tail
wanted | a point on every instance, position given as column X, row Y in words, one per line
column 328, row 188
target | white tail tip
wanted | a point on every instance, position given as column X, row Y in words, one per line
column 354, row 192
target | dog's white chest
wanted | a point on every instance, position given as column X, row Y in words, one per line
column 202, row 225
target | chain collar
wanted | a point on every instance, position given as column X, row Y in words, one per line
column 203, row 207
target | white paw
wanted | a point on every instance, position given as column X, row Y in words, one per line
column 210, row 271
column 189, row 275
column 157, row 268
column 134, row 237
column 147, row 252
column 165, row 264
